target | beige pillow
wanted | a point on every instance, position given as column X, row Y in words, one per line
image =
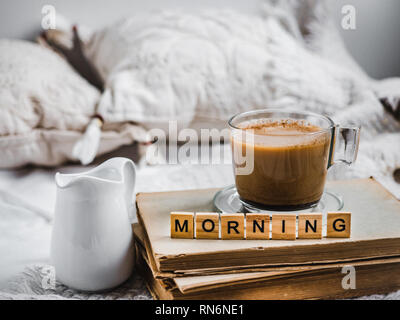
column 45, row 106
column 208, row 66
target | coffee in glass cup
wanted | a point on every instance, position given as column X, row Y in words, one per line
column 281, row 158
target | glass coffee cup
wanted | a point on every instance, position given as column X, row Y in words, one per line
column 281, row 157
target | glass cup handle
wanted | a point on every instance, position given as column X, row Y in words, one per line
column 344, row 145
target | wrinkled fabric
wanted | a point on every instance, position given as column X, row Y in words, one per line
column 45, row 106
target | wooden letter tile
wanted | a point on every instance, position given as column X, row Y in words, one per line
column 310, row 226
column 284, row 226
column 182, row 225
column 339, row 225
column 232, row 226
column 207, row 225
column 257, row 226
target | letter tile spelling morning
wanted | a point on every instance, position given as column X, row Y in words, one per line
column 338, row 225
column 182, row 225
column 207, row 225
column 232, row 226
column 257, row 226
column 284, row 226
column 310, row 226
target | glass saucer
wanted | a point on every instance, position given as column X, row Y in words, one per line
column 227, row 201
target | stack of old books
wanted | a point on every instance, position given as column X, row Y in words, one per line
column 366, row 263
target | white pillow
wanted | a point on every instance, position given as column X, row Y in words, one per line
column 38, row 89
column 45, row 106
column 195, row 67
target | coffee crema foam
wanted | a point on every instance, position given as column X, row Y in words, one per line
column 285, row 133
column 279, row 127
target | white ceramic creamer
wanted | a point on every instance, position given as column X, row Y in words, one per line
column 91, row 247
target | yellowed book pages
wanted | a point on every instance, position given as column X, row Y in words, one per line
column 204, row 283
column 376, row 278
column 375, row 232
column 196, row 283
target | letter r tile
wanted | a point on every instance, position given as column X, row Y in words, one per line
column 232, row 226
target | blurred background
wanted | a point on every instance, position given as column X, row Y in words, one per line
column 374, row 44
